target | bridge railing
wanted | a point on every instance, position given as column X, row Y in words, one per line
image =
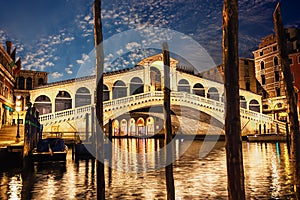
column 176, row 96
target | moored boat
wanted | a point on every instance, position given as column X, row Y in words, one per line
column 266, row 138
column 50, row 149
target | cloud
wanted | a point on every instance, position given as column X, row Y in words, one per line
column 132, row 45
column 56, row 75
column 50, row 64
column 68, row 70
column 80, row 61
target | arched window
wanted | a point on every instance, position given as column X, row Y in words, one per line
column 21, row 83
column 63, row 101
column 262, row 65
column 213, row 94
column 254, row 105
column 105, row 93
column 41, row 81
column 43, row 104
column 183, row 86
column 155, row 77
column 29, row 83
column 119, row 89
column 136, row 86
column 82, row 97
column 198, row 89
column 276, row 61
column 263, row 79
column 243, row 102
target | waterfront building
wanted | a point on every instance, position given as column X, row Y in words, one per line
column 295, row 69
column 7, row 81
column 269, row 74
column 26, row 80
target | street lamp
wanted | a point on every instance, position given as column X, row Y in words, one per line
column 18, row 109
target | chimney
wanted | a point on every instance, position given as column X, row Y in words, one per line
column 8, row 47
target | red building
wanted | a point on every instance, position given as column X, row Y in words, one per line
column 295, row 69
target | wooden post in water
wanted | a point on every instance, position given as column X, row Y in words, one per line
column 87, row 127
column 233, row 138
column 291, row 97
column 168, row 126
column 98, row 37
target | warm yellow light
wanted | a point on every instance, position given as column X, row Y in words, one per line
column 18, row 103
column 18, row 109
column 18, row 97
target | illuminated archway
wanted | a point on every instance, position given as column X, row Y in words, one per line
column 141, row 126
column 123, row 127
column 115, row 127
column 150, row 126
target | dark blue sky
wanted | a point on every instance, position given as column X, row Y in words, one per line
column 57, row 35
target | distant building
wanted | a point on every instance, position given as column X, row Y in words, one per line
column 27, row 80
column 269, row 74
column 247, row 79
column 7, row 82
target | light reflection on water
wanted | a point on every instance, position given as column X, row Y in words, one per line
column 266, row 166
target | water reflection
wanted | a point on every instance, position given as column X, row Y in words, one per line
column 266, row 165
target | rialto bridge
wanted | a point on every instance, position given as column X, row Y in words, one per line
column 133, row 99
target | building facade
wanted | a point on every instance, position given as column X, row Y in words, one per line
column 247, row 79
column 26, row 80
column 269, row 73
column 7, row 82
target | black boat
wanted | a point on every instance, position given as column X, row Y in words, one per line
column 50, row 149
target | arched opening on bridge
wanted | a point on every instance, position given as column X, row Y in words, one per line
column 115, row 127
column 43, row 104
column 123, row 130
column 254, row 105
column 155, row 77
column 213, row 94
column 29, row 83
column 119, row 89
column 141, row 126
column 63, row 101
column 132, row 127
column 136, row 86
column 82, row 97
column 105, row 93
column 183, row 86
column 150, row 126
column 199, row 90
column 243, row 102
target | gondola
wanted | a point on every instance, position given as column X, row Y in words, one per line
column 50, row 149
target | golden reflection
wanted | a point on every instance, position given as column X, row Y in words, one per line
column 50, row 187
column 15, row 187
column 275, row 184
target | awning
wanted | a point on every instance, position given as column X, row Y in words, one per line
column 8, row 108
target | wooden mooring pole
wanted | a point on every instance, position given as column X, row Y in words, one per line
column 168, row 126
column 290, row 96
column 233, row 140
column 98, row 37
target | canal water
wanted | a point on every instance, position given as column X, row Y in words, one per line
column 199, row 173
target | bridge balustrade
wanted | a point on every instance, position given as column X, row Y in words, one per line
column 124, row 103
